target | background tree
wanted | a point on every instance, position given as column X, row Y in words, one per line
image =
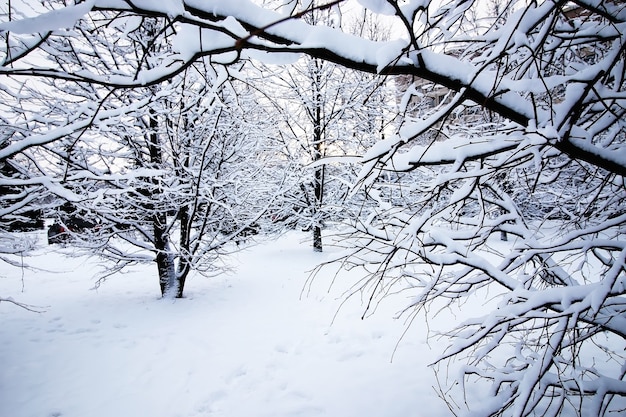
column 327, row 111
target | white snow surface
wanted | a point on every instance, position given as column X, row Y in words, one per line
column 248, row 343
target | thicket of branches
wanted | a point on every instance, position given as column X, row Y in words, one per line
column 526, row 142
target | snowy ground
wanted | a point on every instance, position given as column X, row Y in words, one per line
column 248, row 344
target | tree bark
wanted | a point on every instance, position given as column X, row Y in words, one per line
column 183, row 260
column 165, row 263
column 318, row 147
column 317, row 229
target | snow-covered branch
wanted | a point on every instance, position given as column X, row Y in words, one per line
column 507, row 53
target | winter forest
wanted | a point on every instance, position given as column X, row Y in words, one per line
column 443, row 149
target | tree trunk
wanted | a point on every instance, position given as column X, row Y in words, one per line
column 165, row 262
column 317, row 229
column 318, row 149
column 317, row 239
column 164, row 259
column 183, row 260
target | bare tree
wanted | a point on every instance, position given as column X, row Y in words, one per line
column 327, row 111
column 205, row 186
column 165, row 173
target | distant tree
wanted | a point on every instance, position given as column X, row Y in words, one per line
column 327, row 111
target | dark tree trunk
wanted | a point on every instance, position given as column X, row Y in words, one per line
column 317, row 239
column 183, row 261
column 317, row 229
column 164, row 260
column 185, row 214
column 318, row 149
